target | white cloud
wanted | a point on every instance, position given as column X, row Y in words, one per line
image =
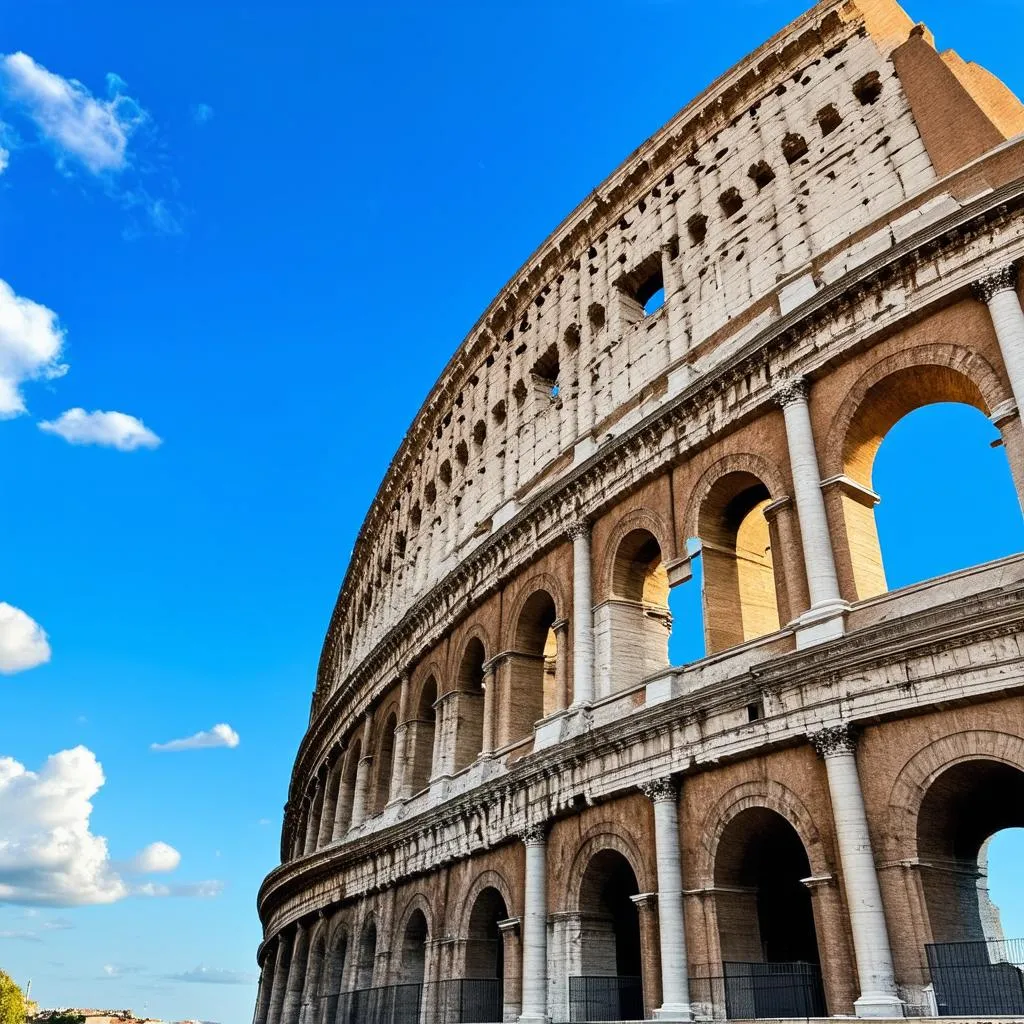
column 219, row 736
column 111, row 429
column 31, row 342
column 213, row 975
column 23, row 642
column 94, row 131
column 5, row 159
column 157, row 857
column 48, row 855
column 119, row 970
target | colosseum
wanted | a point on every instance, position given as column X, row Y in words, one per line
column 509, row 803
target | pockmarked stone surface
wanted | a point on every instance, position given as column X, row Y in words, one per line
column 509, row 805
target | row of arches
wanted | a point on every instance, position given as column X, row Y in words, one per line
column 763, row 887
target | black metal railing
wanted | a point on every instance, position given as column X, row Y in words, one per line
column 599, row 998
column 983, row 978
column 755, row 990
column 389, row 1004
column 465, row 1001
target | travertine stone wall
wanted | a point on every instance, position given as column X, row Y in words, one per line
column 837, row 225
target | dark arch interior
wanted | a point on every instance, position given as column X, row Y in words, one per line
column 414, row 949
column 485, row 954
column 638, row 574
column 768, row 916
column 531, row 668
column 469, row 736
column 385, row 763
column 421, row 735
column 534, row 622
column 367, row 955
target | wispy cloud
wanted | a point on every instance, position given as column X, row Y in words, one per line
column 202, row 113
column 93, row 131
column 208, row 890
column 31, row 344
column 221, row 735
column 109, row 429
column 23, row 642
column 114, row 971
column 213, row 975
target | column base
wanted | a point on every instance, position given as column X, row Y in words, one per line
column 532, row 1018
column 823, row 622
column 674, row 1012
column 878, row 1004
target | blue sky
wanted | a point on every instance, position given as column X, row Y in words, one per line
column 281, row 225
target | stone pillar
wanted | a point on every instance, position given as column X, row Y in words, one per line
column 535, row 929
column 582, row 615
column 878, row 996
column 343, row 804
column 490, row 708
column 400, row 766
column 329, row 810
column 513, row 968
column 999, row 292
column 561, row 628
column 266, row 988
column 439, row 726
column 296, row 976
column 361, row 797
column 281, row 963
column 316, row 807
column 675, row 966
column 824, row 620
column 646, row 904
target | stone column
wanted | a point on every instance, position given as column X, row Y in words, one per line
column 675, row 966
column 878, row 996
column 343, row 804
column 490, row 681
column 999, row 292
column 512, row 974
column 646, row 904
column 535, row 928
column 400, row 766
column 266, row 988
column 296, row 976
column 561, row 628
column 824, row 619
column 316, row 807
column 582, row 615
column 282, row 961
column 360, row 798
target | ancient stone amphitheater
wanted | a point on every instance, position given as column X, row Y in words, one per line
column 509, row 804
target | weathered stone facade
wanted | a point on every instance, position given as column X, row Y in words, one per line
column 506, row 792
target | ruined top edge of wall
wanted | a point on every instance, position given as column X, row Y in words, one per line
column 825, row 25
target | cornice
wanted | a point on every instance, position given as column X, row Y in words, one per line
column 490, row 563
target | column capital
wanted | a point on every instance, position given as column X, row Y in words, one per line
column 658, row 790
column 560, row 625
column 1003, row 279
column 789, row 390
column 534, row 835
column 834, row 739
column 580, row 528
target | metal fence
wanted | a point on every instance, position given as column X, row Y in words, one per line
column 984, row 978
column 453, row 1001
column 755, row 990
column 602, row 998
column 465, row 1001
column 389, row 1004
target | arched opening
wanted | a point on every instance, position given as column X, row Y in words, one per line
column 420, row 736
column 367, row 956
column 347, row 789
column 631, row 628
column 469, row 736
column 740, row 582
column 686, row 604
column 362, row 1002
column 480, row 994
column 404, row 1005
column 329, row 813
column 532, row 667
column 975, row 968
column 766, row 929
column 334, row 980
column 907, row 432
column 610, row 986
column 385, row 764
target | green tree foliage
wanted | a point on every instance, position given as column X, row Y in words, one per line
column 12, row 1001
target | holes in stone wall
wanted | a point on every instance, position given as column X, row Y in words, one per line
column 829, row 119
column 479, row 433
column 430, row 492
column 697, row 226
column 731, row 202
column 596, row 315
column 868, row 88
column 572, row 337
column 462, row 453
column 794, row 146
column 499, row 413
column 761, row 174
column 519, row 392
column 400, row 544
column 546, row 370
column 445, row 472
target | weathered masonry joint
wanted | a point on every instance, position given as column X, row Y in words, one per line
column 509, row 804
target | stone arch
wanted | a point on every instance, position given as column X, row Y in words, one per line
column 366, row 951
column 384, row 758
column 314, row 983
column 885, row 392
column 421, row 733
column 347, row 786
column 474, row 631
column 525, row 590
column 417, row 901
column 763, row 793
column 487, row 879
column 602, row 836
column 333, row 764
column 745, row 592
column 467, row 705
column 924, row 767
column 636, row 519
